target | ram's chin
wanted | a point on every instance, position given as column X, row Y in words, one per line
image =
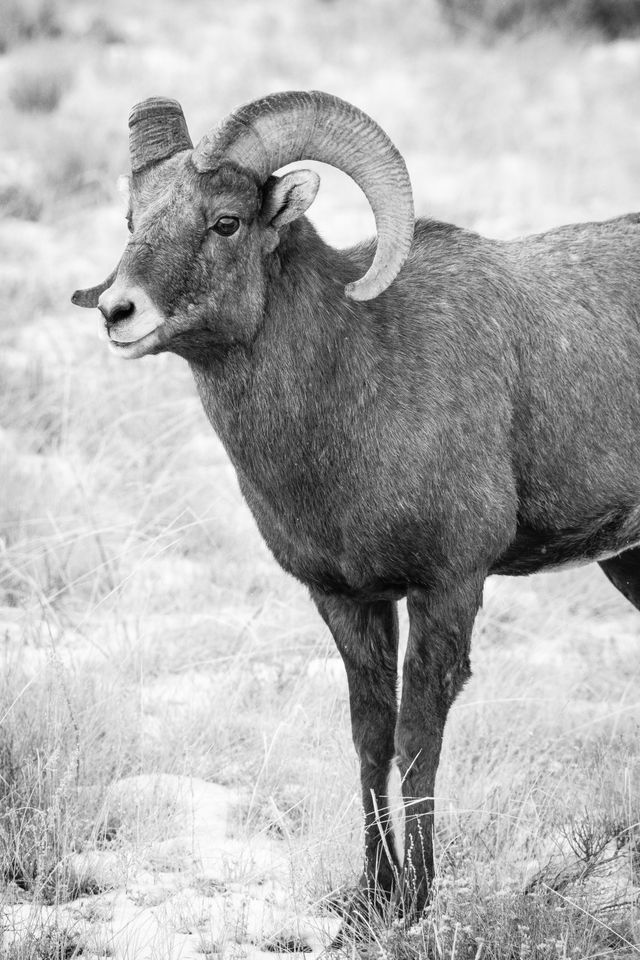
column 135, row 349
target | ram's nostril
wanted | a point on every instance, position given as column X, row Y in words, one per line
column 122, row 311
column 115, row 312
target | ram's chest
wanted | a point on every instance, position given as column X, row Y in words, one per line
column 345, row 503
column 301, row 487
column 318, row 536
column 301, row 522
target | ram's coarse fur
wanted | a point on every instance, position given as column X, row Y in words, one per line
column 481, row 415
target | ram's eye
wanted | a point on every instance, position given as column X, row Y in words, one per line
column 225, row 226
column 129, row 223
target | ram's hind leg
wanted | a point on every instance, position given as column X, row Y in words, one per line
column 367, row 638
column 624, row 573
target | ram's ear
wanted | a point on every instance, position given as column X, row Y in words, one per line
column 89, row 296
column 286, row 198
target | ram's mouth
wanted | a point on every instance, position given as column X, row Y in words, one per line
column 133, row 349
column 135, row 336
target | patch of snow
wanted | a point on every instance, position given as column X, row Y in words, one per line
column 198, row 889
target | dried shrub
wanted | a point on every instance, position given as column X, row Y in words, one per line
column 38, row 87
column 610, row 18
column 24, row 20
column 20, row 200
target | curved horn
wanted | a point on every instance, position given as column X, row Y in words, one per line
column 157, row 130
column 89, row 296
column 266, row 134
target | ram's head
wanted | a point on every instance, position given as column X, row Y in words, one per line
column 204, row 221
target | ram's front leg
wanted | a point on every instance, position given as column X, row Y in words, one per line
column 436, row 666
column 367, row 638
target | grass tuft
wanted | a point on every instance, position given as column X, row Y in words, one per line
column 52, row 943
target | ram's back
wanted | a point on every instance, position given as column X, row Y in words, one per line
column 524, row 360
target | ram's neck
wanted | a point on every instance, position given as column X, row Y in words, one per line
column 270, row 391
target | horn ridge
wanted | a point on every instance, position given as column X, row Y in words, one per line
column 157, row 131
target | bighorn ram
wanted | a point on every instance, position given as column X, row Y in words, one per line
column 467, row 407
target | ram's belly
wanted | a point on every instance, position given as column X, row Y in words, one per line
column 536, row 549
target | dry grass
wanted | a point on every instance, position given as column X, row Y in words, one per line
column 144, row 626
